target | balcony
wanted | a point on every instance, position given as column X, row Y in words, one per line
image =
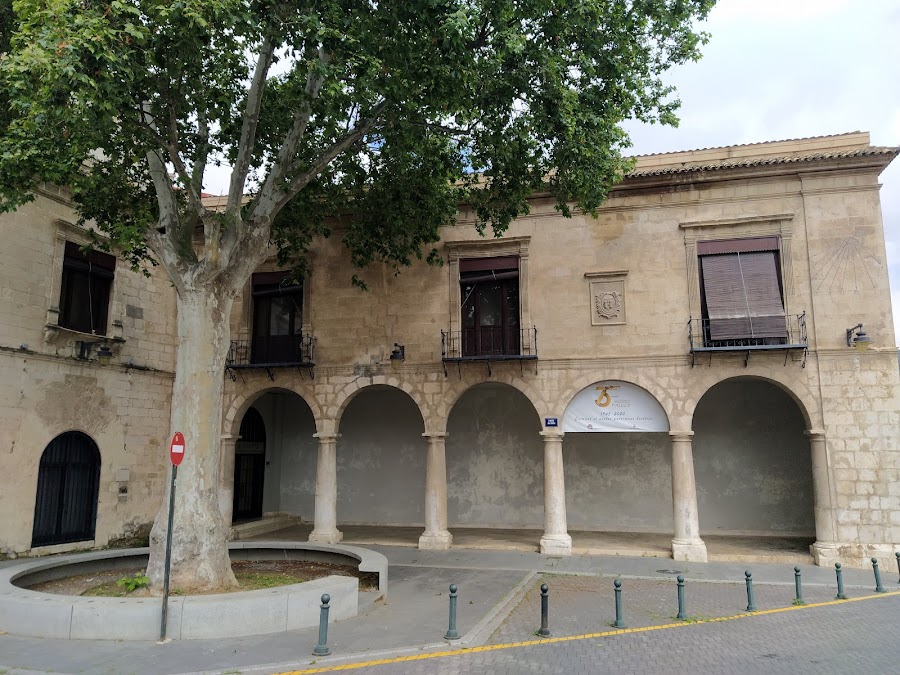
column 488, row 344
column 270, row 352
column 749, row 334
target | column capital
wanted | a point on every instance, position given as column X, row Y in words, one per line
column 681, row 435
column 325, row 437
column 552, row 435
column 813, row 433
column 435, row 434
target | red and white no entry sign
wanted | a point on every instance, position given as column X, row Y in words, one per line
column 176, row 450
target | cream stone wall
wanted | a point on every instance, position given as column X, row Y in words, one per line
column 819, row 196
column 45, row 390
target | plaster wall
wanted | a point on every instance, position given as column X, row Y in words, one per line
column 381, row 460
column 494, row 460
column 618, row 481
column 752, row 461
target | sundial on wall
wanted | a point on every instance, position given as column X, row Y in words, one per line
column 847, row 267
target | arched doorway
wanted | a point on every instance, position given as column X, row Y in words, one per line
column 752, row 461
column 275, row 458
column 249, row 467
column 65, row 508
column 494, row 454
column 618, row 460
column 381, row 459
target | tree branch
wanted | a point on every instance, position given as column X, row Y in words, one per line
column 334, row 150
column 248, row 127
column 282, row 163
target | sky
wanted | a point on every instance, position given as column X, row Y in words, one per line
column 778, row 69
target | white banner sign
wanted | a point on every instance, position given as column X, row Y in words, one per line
column 614, row 406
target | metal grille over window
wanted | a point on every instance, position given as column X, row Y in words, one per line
column 68, row 485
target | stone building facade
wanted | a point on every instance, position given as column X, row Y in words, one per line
column 683, row 365
column 82, row 444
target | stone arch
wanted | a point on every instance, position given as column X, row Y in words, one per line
column 353, row 389
column 803, row 399
column 665, row 398
column 234, row 414
column 752, row 460
column 452, row 396
column 494, row 459
column 644, row 389
column 380, row 455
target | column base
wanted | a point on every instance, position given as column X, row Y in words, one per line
column 556, row 544
column 826, row 554
column 689, row 551
column 332, row 537
column 435, row 541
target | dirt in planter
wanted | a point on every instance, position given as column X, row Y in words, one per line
column 250, row 574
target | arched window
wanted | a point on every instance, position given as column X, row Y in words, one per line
column 65, row 509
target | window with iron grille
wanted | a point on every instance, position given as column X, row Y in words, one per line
column 490, row 306
column 65, row 508
column 86, row 284
column 277, row 319
column 741, row 291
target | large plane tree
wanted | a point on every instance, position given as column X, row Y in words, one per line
column 392, row 112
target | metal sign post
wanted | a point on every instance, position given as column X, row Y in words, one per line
column 176, row 454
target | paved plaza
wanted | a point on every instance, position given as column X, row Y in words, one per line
column 499, row 612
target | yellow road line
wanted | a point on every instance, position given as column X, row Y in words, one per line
column 571, row 638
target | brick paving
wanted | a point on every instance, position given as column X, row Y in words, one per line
column 586, row 604
column 853, row 637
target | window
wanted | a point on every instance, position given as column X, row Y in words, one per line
column 489, row 289
column 741, row 292
column 277, row 319
column 86, row 283
column 65, row 508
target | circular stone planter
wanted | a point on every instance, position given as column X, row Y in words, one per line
column 272, row 610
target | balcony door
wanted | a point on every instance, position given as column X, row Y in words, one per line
column 277, row 319
column 490, row 306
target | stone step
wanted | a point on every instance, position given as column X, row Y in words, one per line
column 268, row 523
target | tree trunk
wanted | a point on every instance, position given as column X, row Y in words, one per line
column 200, row 558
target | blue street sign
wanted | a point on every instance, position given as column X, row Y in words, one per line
column 551, row 422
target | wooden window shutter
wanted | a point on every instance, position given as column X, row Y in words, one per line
column 743, row 297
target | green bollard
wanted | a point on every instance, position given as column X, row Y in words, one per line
column 619, row 622
column 321, row 649
column 681, row 613
column 451, row 631
column 898, row 565
column 751, row 606
column 798, row 590
column 545, row 612
column 840, row 582
column 878, row 587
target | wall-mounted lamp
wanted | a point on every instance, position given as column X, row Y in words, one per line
column 398, row 353
column 104, row 353
column 856, row 337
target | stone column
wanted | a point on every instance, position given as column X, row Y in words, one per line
column 436, row 536
column 325, row 526
column 556, row 539
column 687, row 544
column 825, row 550
column 226, row 479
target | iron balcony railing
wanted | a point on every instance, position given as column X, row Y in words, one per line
column 489, row 343
column 748, row 333
column 270, row 351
